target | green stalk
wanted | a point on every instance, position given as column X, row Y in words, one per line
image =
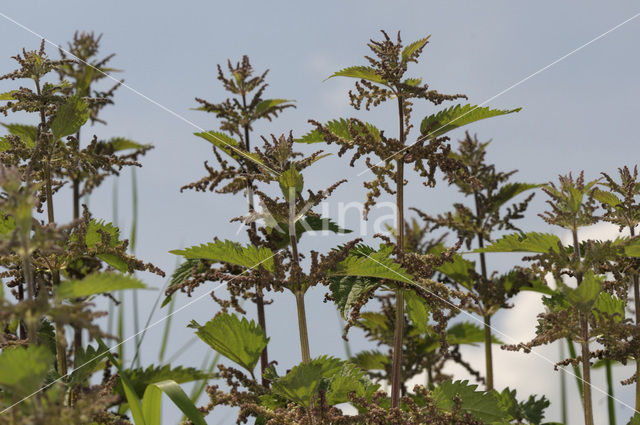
column 61, row 343
column 576, row 370
column 167, row 329
column 264, row 356
column 636, row 300
column 584, row 329
column 347, row 345
column 610, row 394
column 132, row 246
column 563, row 387
column 488, row 343
column 398, row 333
column 299, row 291
column 119, row 295
column 77, row 331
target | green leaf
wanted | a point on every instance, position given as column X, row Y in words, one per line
column 635, row 420
column 86, row 362
column 360, row 72
column 22, row 370
column 7, row 95
column 27, row 133
column 633, row 248
column 481, row 405
column 457, row 116
column 181, row 400
column 417, row 311
column 458, row 270
column 238, row 340
column 7, row 225
column 230, row 252
column 346, row 290
column 609, row 304
column 291, row 183
column 532, row 410
column 140, row 378
column 70, row 116
column 93, row 238
column 97, row 283
column 528, row 242
column 302, row 382
column 267, row 104
column 585, row 295
column 606, row 197
column 410, row 50
column 229, row 145
column 121, row 144
column 349, row 379
column 467, row 333
column 132, row 398
column 340, row 127
column 377, row 264
column 509, row 191
column 152, row 405
column 372, row 360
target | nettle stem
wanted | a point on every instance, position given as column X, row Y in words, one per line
column 398, row 333
column 77, row 331
column 300, row 290
column 636, row 301
column 584, row 330
column 61, row 343
column 264, row 357
column 488, row 347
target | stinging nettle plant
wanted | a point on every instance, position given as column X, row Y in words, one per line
column 384, row 79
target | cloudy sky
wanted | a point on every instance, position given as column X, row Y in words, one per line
column 578, row 114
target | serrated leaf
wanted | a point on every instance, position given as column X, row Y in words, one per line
column 606, row 197
column 7, row 95
column 467, row 333
column 70, row 116
column 27, row 133
column 230, row 252
column 267, row 104
column 140, row 378
column 346, row 290
column 340, row 127
column 121, row 144
column 86, row 362
column 228, row 145
column 22, row 370
column 509, row 191
column 360, row 72
column 531, row 410
column 457, row 116
column 97, row 283
column 635, row 420
column 479, row 404
column 528, row 242
column 409, row 51
column 372, row 360
column 291, row 183
column 7, row 225
column 238, row 340
column 349, row 379
column 376, row 264
column 302, row 382
column 93, row 238
column 417, row 311
column 609, row 304
column 585, row 295
column 458, row 270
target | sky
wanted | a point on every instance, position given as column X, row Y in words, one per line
column 579, row 113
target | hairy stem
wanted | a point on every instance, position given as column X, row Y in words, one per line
column 636, row 301
column 488, row 348
column 398, row 333
column 77, row 331
column 611, row 407
column 563, row 388
column 61, row 343
column 576, row 370
column 300, row 290
column 264, row 356
column 584, row 330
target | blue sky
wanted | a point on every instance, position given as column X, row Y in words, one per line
column 578, row 114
